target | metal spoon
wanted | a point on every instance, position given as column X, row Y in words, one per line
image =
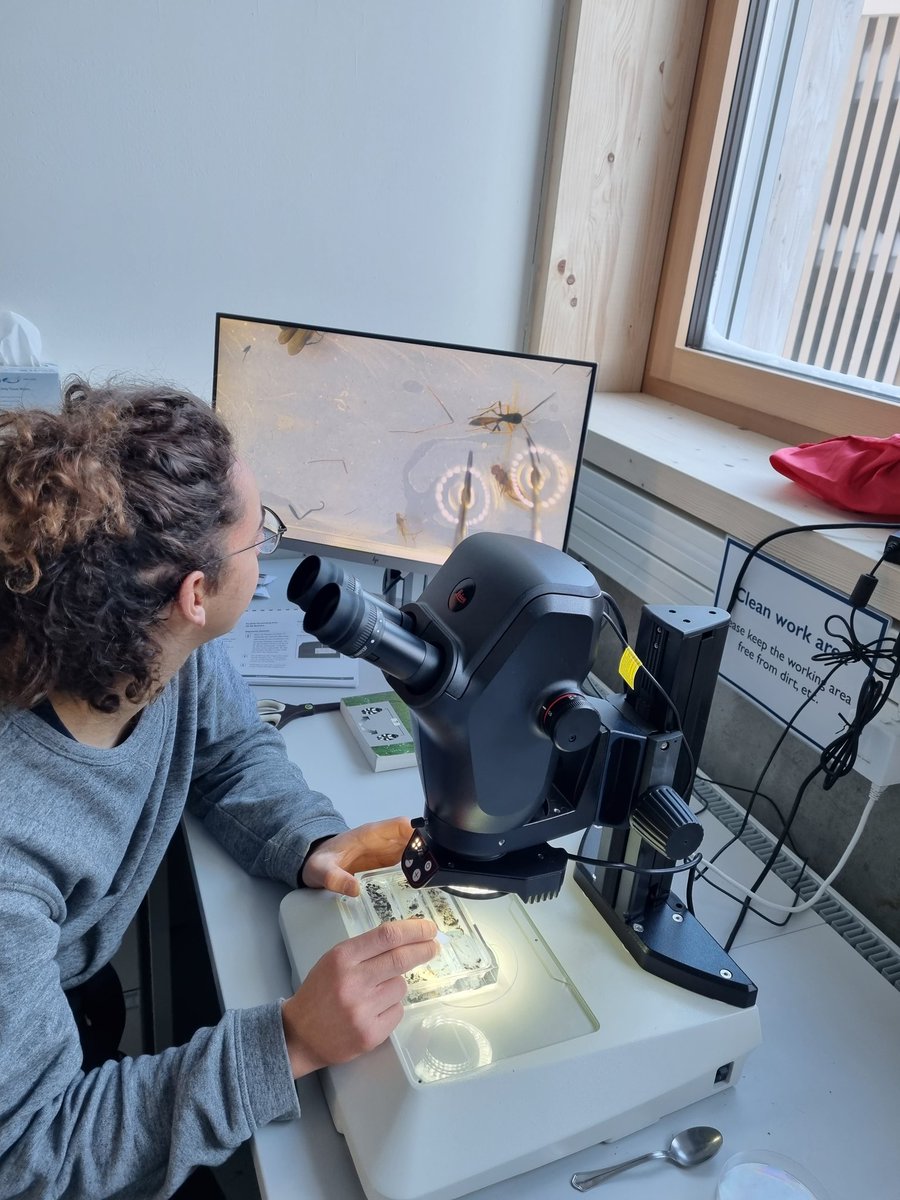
column 686, row 1149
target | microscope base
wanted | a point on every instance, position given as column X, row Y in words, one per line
column 630, row 1050
column 669, row 942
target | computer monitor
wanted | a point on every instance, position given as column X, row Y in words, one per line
column 388, row 450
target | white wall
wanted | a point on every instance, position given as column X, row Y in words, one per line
column 369, row 164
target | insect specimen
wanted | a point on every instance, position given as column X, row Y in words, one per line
column 504, row 483
column 408, row 534
column 497, row 417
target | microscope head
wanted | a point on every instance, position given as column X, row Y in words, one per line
column 490, row 660
column 517, row 624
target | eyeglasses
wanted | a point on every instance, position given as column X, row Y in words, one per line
column 273, row 530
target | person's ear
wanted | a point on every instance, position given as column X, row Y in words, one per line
column 190, row 599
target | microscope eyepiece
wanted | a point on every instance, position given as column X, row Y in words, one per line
column 340, row 614
column 312, row 574
column 341, row 618
column 315, row 573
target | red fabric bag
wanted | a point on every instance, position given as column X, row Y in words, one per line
column 861, row 474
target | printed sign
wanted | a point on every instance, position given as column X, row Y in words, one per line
column 783, row 627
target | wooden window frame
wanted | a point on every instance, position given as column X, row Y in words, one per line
column 785, row 407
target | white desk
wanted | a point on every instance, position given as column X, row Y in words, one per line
column 823, row 1087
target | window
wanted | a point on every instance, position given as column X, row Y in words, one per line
column 779, row 302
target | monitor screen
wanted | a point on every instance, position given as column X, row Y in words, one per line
column 390, row 451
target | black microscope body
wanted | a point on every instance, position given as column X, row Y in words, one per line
column 491, row 660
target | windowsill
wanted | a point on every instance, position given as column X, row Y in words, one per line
column 721, row 475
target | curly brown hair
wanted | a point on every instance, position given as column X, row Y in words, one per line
column 104, row 508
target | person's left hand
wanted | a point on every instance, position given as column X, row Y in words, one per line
column 333, row 863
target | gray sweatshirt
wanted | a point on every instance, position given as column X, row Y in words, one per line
column 82, row 832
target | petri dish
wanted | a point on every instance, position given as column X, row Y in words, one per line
column 764, row 1175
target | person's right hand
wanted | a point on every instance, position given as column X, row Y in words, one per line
column 352, row 999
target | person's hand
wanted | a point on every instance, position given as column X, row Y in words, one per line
column 352, row 999
column 333, row 863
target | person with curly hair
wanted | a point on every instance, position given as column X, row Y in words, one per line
column 129, row 536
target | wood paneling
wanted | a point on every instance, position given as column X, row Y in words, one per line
column 614, row 164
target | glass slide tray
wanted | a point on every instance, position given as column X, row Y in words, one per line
column 495, row 992
column 465, row 962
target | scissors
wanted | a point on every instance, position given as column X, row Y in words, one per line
column 277, row 713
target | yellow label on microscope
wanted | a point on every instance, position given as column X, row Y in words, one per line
column 629, row 665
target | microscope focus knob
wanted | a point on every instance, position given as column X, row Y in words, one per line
column 570, row 721
column 663, row 819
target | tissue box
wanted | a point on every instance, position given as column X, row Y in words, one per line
column 30, row 387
